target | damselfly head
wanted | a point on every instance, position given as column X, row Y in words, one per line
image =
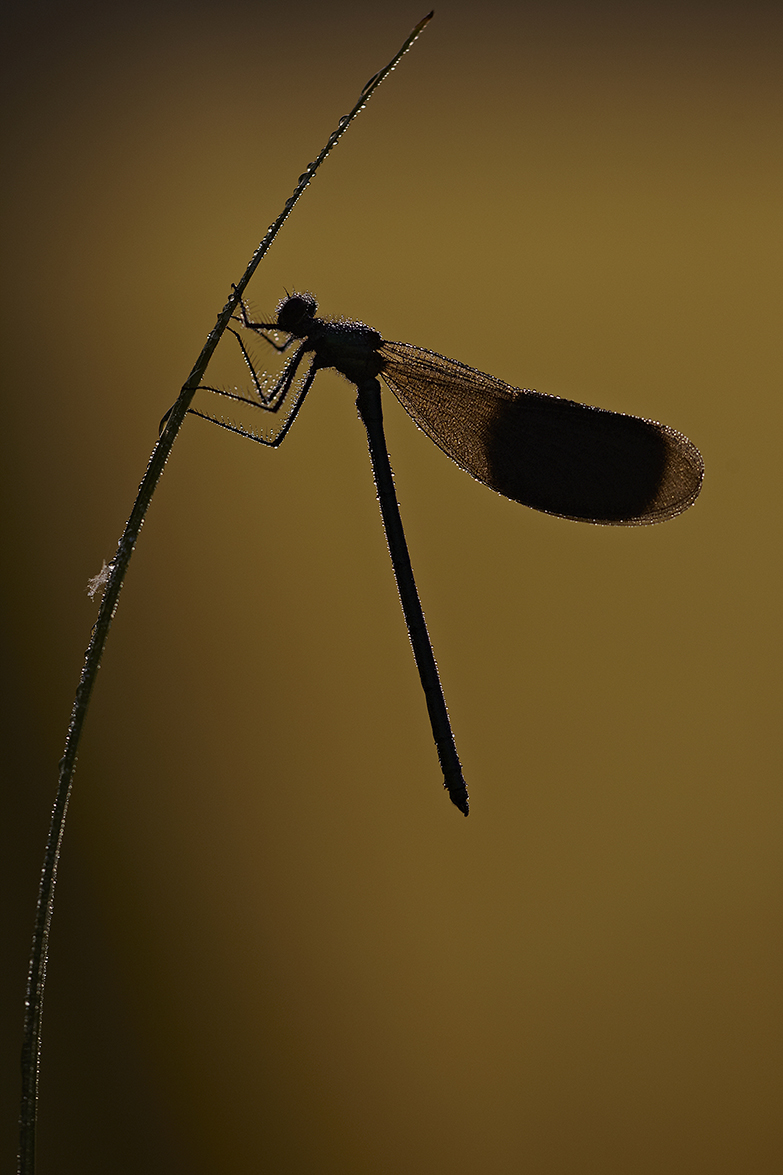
column 296, row 312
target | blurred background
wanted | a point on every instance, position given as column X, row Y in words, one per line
column 276, row 946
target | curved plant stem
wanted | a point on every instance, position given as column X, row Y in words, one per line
column 31, row 1049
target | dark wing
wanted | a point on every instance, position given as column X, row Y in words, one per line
column 555, row 455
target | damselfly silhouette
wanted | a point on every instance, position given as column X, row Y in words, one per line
column 549, row 453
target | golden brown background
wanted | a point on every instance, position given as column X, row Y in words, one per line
column 277, row 947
